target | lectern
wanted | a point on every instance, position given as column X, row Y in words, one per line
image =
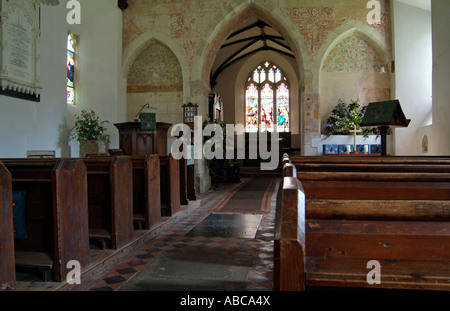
column 135, row 141
column 384, row 115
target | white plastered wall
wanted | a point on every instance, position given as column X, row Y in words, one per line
column 45, row 125
column 413, row 74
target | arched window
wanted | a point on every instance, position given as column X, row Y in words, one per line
column 71, row 59
column 267, row 99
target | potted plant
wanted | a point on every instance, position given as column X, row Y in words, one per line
column 346, row 117
column 221, row 170
column 90, row 133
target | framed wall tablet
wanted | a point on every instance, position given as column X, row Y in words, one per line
column 19, row 49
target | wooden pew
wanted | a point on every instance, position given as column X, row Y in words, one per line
column 146, row 191
column 56, row 214
column 7, row 264
column 110, row 199
column 187, row 182
column 182, row 166
column 370, row 185
column 170, row 185
column 289, row 242
column 190, row 182
column 355, row 164
column 355, row 215
column 154, row 174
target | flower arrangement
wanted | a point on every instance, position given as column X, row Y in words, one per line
column 347, row 116
column 89, row 127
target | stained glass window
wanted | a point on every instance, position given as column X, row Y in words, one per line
column 277, row 75
column 266, row 107
column 283, row 108
column 251, row 100
column 271, row 75
column 71, row 58
column 267, row 99
column 262, row 76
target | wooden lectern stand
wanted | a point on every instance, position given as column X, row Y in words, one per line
column 134, row 141
column 384, row 115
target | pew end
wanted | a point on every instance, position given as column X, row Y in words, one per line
column 146, row 191
column 55, row 214
column 289, row 242
column 110, row 193
column 7, row 261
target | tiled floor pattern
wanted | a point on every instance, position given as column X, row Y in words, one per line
column 260, row 247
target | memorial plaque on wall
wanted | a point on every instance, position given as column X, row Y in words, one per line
column 19, row 49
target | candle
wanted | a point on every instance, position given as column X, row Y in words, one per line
column 348, row 148
column 366, row 149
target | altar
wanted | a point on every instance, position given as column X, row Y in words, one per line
column 135, row 141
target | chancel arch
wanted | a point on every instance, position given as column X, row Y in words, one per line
column 230, row 84
column 355, row 65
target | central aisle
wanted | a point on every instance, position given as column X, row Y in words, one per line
column 206, row 250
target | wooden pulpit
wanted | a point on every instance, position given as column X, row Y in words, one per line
column 136, row 141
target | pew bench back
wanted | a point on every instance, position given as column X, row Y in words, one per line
column 354, row 216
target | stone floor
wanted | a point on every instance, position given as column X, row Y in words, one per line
column 112, row 274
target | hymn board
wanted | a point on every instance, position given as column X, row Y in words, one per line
column 189, row 112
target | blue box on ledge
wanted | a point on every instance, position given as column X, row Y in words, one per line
column 364, row 149
column 343, row 149
column 375, row 149
column 330, row 149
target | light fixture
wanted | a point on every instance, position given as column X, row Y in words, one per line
column 147, row 105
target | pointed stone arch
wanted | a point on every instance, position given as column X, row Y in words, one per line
column 140, row 43
column 223, row 24
column 364, row 30
column 383, row 87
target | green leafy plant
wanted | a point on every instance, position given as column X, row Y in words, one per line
column 89, row 127
column 345, row 117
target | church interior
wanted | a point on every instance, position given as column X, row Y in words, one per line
column 349, row 99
